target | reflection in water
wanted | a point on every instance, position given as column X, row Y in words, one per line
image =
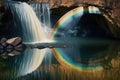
column 29, row 28
column 25, row 17
column 93, row 51
column 43, row 13
column 83, row 23
column 88, row 54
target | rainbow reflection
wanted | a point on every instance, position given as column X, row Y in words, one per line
column 64, row 22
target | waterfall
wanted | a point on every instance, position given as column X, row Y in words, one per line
column 32, row 32
column 43, row 13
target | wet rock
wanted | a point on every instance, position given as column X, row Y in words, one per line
column 10, row 47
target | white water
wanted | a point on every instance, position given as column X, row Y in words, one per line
column 42, row 11
column 25, row 17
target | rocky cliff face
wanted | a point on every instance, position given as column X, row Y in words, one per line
column 114, row 6
column 111, row 8
column 108, row 3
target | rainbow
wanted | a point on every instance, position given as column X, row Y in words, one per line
column 62, row 23
column 67, row 62
column 67, row 18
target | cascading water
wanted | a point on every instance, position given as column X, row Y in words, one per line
column 72, row 58
column 42, row 11
column 32, row 31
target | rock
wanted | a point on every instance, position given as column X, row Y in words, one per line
column 14, row 41
column 10, row 47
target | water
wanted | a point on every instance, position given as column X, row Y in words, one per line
column 42, row 11
column 93, row 55
column 96, row 52
column 82, row 24
column 88, row 54
column 26, row 20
